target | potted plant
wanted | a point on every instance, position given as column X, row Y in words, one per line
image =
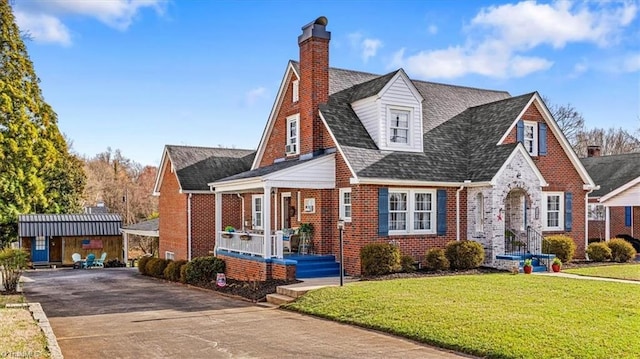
column 245, row 236
column 528, row 266
column 228, row 230
column 557, row 264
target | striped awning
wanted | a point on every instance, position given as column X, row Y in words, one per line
column 69, row 225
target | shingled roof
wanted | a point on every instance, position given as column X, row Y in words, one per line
column 197, row 166
column 612, row 172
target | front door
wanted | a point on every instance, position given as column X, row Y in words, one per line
column 55, row 249
column 39, row 249
column 286, row 210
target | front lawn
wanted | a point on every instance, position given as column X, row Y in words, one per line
column 620, row 271
column 496, row 315
column 20, row 335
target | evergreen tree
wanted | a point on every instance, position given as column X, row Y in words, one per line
column 37, row 172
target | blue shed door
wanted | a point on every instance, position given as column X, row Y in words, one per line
column 39, row 249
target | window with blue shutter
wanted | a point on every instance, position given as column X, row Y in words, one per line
column 568, row 210
column 383, row 211
column 520, row 131
column 542, row 139
column 627, row 216
column 441, row 216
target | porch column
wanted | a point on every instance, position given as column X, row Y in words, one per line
column 218, row 221
column 607, row 223
column 125, row 254
column 266, row 220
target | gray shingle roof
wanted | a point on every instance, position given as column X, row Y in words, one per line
column 198, row 166
column 148, row 225
column 612, row 172
column 33, row 225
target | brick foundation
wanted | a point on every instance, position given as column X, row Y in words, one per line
column 240, row 267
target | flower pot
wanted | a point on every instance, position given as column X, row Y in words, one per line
column 555, row 267
column 245, row 237
column 527, row 269
column 227, row 235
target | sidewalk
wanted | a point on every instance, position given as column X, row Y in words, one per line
column 576, row 276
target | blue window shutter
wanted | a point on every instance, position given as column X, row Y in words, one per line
column 520, row 131
column 542, row 139
column 383, row 211
column 627, row 216
column 568, row 210
column 441, row 216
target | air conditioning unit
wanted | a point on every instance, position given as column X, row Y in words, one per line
column 290, row 148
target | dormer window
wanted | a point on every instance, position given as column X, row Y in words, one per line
column 399, row 126
column 295, row 90
column 292, row 146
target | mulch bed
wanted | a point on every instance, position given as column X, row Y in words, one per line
column 254, row 291
column 427, row 273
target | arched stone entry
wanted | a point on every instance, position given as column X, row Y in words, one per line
column 517, row 205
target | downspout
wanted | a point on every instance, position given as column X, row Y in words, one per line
column 189, row 227
column 586, row 220
column 242, row 204
column 466, row 183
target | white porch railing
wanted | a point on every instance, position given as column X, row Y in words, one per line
column 251, row 244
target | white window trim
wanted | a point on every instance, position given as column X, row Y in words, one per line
column 534, row 151
column 169, row 255
column 293, row 119
column 254, row 213
column 545, row 201
column 343, row 205
column 479, row 212
column 295, row 91
column 409, row 110
column 411, row 206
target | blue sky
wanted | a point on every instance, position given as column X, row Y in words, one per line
column 137, row 75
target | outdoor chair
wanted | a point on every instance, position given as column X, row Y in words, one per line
column 88, row 263
column 77, row 260
column 294, row 241
column 100, row 261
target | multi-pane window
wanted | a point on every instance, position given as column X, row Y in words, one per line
column 169, row 255
column 292, row 145
column 596, row 212
column 531, row 137
column 40, row 243
column 295, row 90
column 256, row 205
column 423, row 211
column 345, row 204
column 399, row 127
column 398, row 208
column 553, row 218
column 412, row 211
column 480, row 212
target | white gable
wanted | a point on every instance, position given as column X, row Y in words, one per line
column 375, row 113
column 627, row 195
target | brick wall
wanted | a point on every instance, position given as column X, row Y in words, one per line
column 255, row 270
column 314, row 90
column 618, row 225
column 172, row 206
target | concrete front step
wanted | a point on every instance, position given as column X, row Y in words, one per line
column 279, row 299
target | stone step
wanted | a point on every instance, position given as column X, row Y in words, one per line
column 279, row 299
column 291, row 292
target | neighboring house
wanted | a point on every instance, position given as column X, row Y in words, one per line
column 147, row 228
column 411, row 162
column 614, row 208
column 51, row 239
column 186, row 205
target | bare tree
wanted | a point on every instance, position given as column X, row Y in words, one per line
column 569, row 120
column 612, row 141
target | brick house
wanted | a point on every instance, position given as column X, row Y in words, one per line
column 614, row 208
column 408, row 161
column 186, row 205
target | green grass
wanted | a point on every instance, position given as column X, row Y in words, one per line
column 20, row 335
column 497, row 316
column 620, row 271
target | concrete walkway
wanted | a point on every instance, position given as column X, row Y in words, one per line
column 117, row 313
column 576, row 276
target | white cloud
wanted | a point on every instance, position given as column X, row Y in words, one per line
column 432, row 29
column 254, row 95
column 366, row 47
column 631, row 63
column 500, row 38
column 44, row 19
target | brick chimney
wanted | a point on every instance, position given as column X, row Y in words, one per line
column 314, row 82
column 593, row 151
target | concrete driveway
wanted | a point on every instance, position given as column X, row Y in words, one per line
column 117, row 313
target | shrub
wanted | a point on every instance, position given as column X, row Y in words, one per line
column 464, row 254
column 156, row 266
column 436, row 259
column 142, row 264
column 380, row 258
column 599, row 252
column 408, row 264
column 560, row 245
column 621, row 250
column 172, row 272
column 202, row 270
column 183, row 273
column 12, row 264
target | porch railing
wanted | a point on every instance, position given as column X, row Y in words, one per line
column 251, row 243
column 522, row 242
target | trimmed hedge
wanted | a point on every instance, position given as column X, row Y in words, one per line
column 599, row 252
column 172, row 272
column 202, row 270
column 436, row 259
column 621, row 250
column 562, row 246
column 142, row 264
column 407, row 263
column 156, row 266
column 464, row 254
column 380, row 258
